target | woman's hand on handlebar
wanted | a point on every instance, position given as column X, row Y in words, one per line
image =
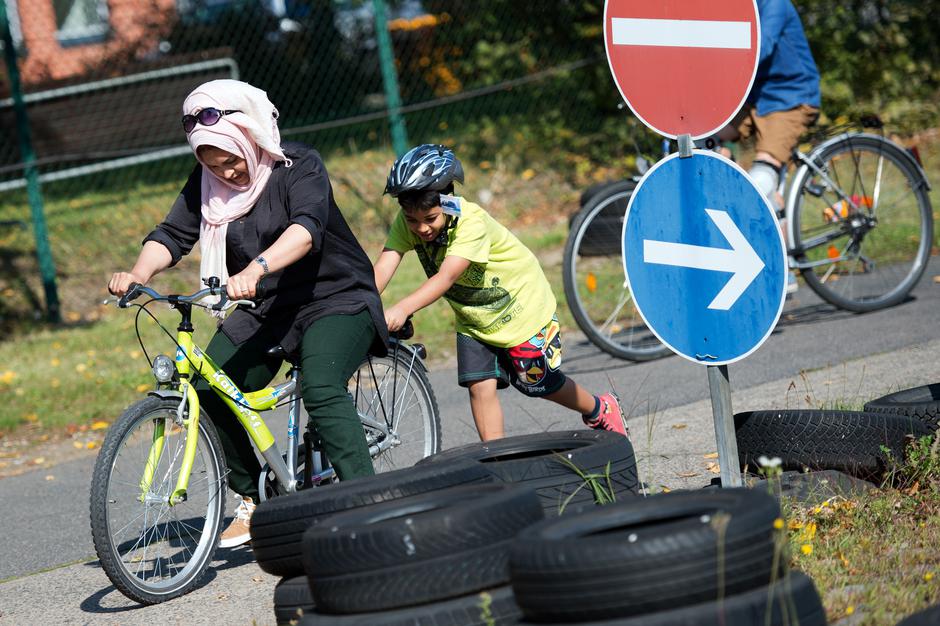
column 121, row 281
column 244, row 285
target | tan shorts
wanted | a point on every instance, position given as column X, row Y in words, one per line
column 776, row 133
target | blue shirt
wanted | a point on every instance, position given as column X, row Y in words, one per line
column 786, row 72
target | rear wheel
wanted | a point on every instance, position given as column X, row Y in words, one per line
column 593, row 276
column 862, row 224
column 150, row 550
column 394, row 391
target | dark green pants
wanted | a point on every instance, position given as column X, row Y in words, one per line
column 331, row 350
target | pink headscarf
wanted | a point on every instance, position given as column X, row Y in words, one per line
column 251, row 134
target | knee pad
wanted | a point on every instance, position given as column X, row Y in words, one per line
column 766, row 176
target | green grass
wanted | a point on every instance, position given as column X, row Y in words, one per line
column 874, row 557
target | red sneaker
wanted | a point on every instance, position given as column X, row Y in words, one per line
column 610, row 416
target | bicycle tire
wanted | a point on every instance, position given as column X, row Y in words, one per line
column 594, row 283
column 883, row 260
column 414, row 410
column 174, row 545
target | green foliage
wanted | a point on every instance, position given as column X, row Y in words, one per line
column 874, row 54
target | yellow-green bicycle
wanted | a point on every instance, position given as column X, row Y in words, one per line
column 159, row 483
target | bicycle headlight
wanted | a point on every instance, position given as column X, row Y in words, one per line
column 163, row 368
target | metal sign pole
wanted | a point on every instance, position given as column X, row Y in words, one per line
column 719, row 388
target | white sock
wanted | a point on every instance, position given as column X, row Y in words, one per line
column 766, row 177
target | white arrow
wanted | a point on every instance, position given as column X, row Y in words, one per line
column 741, row 260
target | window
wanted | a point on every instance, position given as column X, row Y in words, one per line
column 80, row 21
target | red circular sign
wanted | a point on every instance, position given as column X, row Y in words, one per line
column 683, row 66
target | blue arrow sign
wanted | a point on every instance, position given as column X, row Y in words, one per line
column 704, row 258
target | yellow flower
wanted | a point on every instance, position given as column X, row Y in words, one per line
column 778, row 523
column 81, row 367
column 55, row 362
column 7, row 376
column 143, row 387
column 928, row 576
column 849, row 610
column 806, row 549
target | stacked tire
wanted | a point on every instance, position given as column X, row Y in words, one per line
column 709, row 557
column 463, row 540
column 863, row 444
column 920, row 403
column 437, row 558
column 424, row 543
column 565, row 468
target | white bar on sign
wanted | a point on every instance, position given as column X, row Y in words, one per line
column 627, row 31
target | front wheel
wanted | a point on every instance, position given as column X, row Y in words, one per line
column 862, row 223
column 395, row 392
column 593, row 277
column 150, row 550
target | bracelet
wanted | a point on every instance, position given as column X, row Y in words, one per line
column 264, row 265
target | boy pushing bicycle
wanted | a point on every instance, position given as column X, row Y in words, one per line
column 507, row 330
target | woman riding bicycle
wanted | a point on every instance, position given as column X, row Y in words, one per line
column 263, row 210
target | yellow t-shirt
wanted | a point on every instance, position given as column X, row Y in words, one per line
column 502, row 298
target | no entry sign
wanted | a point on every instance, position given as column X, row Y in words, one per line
column 683, row 66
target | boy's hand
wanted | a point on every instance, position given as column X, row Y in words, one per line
column 395, row 318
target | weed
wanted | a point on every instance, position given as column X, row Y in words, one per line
column 599, row 484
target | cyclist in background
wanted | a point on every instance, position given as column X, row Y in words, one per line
column 507, row 331
column 261, row 210
column 784, row 100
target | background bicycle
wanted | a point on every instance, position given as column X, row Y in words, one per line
column 859, row 229
column 159, row 483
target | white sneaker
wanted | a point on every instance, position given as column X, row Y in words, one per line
column 237, row 532
column 791, row 283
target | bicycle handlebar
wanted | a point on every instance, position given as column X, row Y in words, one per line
column 136, row 290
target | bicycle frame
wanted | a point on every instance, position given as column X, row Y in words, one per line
column 245, row 407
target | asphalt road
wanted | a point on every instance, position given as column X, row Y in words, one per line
column 816, row 355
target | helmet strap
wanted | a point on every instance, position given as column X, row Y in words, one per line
column 441, row 239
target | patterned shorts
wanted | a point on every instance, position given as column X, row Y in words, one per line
column 533, row 367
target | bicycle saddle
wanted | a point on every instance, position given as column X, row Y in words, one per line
column 278, row 352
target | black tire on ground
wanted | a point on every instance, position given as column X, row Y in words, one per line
column 647, row 555
column 292, row 599
column 928, row 617
column 848, row 441
column 540, row 461
column 411, row 551
column 494, row 607
column 277, row 525
column 787, row 602
column 921, row 402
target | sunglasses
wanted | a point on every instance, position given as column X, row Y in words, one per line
column 207, row 117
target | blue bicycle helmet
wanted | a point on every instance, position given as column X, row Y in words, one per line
column 428, row 167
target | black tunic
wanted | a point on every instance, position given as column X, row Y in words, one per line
column 336, row 277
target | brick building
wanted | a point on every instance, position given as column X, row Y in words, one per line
column 58, row 40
